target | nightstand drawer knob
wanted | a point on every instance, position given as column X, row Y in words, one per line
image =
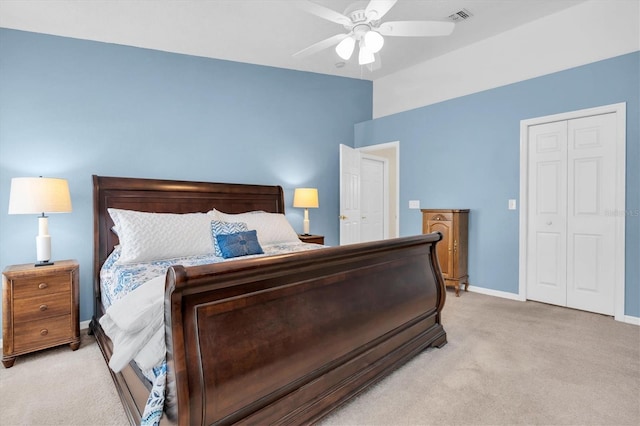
column 44, row 332
column 43, row 286
column 43, row 307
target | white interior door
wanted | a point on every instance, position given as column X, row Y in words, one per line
column 547, row 248
column 590, row 229
column 349, row 195
column 373, row 218
column 571, row 241
column 390, row 152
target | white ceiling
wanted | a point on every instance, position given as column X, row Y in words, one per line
column 265, row 32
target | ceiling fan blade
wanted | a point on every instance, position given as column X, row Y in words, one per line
column 324, row 12
column 376, row 9
column 416, row 28
column 321, row 45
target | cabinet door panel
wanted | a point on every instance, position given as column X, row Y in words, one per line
column 445, row 247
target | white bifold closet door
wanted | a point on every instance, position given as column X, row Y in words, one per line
column 571, row 231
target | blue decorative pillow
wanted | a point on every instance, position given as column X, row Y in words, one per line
column 218, row 227
column 239, row 244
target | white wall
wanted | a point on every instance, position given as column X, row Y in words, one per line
column 588, row 32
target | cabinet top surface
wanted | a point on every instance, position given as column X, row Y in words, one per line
column 59, row 265
column 444, row 210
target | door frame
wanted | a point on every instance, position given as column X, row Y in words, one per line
column 618, row 210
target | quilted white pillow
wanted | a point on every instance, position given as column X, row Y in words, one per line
column 151, row 236
column 271, row 228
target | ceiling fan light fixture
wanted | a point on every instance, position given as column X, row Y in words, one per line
column 365, row 56
column 344, row 49
column 373, row 41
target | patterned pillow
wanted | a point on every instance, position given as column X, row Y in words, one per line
column 272, row 228
column 148, row 236
column 219, row 227
column 239, row 244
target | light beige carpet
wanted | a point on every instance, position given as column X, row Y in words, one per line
column 60, row 387
column 506, row 363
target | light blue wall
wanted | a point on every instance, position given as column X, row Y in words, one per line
column 72, row 108
column 465, row 153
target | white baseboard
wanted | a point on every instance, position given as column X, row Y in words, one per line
column 496, row 293
column 631, row 320
column 84, row 324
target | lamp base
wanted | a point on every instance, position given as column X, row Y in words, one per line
column 44, row 263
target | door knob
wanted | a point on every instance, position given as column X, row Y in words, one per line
column 342, row 217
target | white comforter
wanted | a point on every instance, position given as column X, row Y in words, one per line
column 135, row 324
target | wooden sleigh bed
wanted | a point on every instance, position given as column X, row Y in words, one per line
column 273, row 340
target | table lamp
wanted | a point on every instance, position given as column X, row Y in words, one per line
column 34, row 195
column 305, row 198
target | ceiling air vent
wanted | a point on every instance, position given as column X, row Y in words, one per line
column 461, row 15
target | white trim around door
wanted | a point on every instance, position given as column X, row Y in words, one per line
column 617, row 210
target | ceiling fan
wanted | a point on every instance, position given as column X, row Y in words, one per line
column 363, row 27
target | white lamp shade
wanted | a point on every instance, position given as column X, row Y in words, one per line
column 344, row 49
column 34, row 195
column 373, row 41
column 365, row 56
column 305, row 198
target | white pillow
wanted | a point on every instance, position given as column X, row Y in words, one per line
column 151, row 236
column 272, row 228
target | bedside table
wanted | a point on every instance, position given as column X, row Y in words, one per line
column 313, row 239
column 40, row 308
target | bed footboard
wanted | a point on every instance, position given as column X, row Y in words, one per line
column 286, row 339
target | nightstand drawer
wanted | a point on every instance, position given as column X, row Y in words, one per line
column 40, row 307
column 39, row 286
column 42, row 333
column 440, row 216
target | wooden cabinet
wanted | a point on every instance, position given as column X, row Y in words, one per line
column 39, row 308
column 452, row 250
column 314, row 239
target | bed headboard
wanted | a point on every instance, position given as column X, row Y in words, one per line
column 169, row 196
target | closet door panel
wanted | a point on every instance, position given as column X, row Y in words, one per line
column 591, row 226
column 547, row 211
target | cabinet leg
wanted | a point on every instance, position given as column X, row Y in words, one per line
column 457, row 287
column 74, row 345
column 466, row 285
column 8, row 361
